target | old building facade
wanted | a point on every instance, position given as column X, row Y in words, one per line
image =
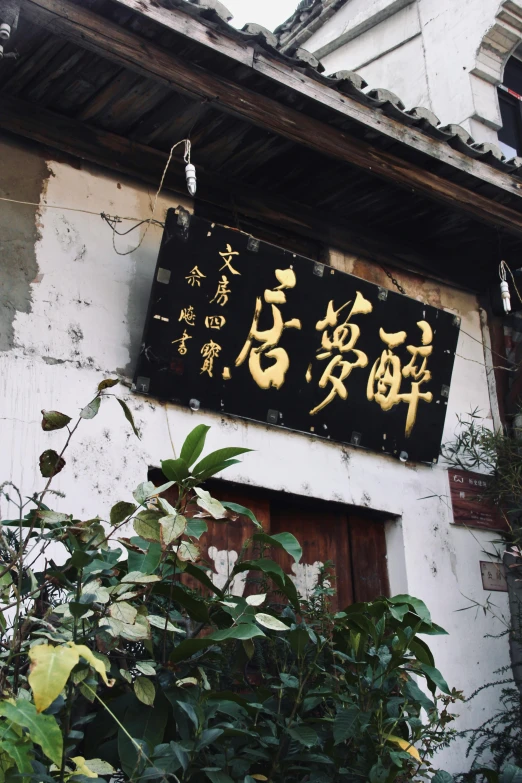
column 353, row 182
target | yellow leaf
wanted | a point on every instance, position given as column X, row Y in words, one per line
column 405, row 745
column 97, row 665
column 82, row 768
column 50, row 670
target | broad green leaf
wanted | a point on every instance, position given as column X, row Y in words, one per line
column 121, row 511
column 91, row 410
column 171, row 528
column 195, row 607
column 421, row 651
column 286, row 541
column 159, row 622
column 267, row 621
column 145, row 691
column 138, row 631
column 144, row 491
column 511, row 774
column 50, row 670
column 145, row 562
column 243, row 511
column 298, row 639
column 216, row 776
column 188, row 648
column 53, row 517
column 43, row 729
column 399, row 611
column 256, row 600
column 147, row 525
column 146, row 668
column 20, row 754
column 442, row 777
column 194, row 444
column 51, row 463
column 344, row 724
column 175, row 470
column 128, row 415
column 136, row 577
column 210, row 504
column 435, row 678
column 124, row 612
column 242, row 631
column 412, row 690
column 188, row 551
column 107, row 383
column 219, row 468
column 100, row 767
column 404, row 745
column 418, row 606
column 304, row 734
column 217, row 458
column 196, row 528
column 53, row 420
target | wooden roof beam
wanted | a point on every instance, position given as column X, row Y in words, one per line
column 146, row 164
column 89, row 30
column 234, row 46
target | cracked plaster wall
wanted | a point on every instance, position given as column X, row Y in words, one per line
column 77, row 318
column 425, row 51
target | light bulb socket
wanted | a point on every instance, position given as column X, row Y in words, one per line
column 5, row 31
column 190, row 174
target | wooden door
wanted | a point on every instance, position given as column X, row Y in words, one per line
column 322, row 531
column 327, row 532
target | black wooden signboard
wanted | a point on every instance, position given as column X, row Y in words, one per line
column 251, row 330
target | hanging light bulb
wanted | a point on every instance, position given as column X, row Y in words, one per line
column 504, row 288
column 190, row 170
column 190, row 173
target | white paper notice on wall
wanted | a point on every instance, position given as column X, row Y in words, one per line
column 493, row 577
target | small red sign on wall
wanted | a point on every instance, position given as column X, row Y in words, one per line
column 469, row 506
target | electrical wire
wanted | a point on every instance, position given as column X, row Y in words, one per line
column 111, row 220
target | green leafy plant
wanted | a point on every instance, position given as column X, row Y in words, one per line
column 113, row 664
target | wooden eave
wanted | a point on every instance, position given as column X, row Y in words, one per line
column 275, row 143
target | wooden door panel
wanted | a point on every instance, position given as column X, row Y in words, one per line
column 323, row 535
column 369, row 564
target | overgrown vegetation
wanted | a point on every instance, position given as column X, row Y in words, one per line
column 499, row 738
column 113, row 664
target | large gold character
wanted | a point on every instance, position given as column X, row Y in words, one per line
column 274, row 375
column 385, row 379
column 335, row 347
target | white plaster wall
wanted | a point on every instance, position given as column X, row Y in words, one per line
column 448, row 68
column 86, row 302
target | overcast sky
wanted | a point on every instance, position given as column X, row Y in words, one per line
column 268, row 13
